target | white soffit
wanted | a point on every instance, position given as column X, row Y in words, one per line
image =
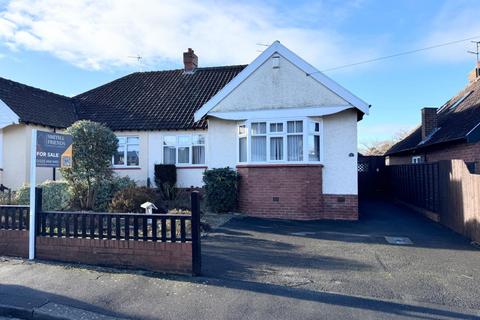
column 309, row 70
column 280, row 113
column 7, row 116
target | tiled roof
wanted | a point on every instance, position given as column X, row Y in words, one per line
column 158, row 100
column 456, row 118
column 37, row 106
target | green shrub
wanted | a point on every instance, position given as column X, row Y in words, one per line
column 107, row 190
column 130, row 199
column 56, row 195
column 221, row 189
column 165, row 179
column 93, row 148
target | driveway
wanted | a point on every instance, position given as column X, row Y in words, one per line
column 352, row 258
column 266, row 269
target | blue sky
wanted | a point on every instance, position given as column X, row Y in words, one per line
column 71, row 46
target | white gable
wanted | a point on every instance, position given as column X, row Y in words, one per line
column 7, row 116
column 294, row 84
column 285, row 86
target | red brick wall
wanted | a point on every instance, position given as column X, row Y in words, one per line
column 344, row 207
column 153, row 256
column 289, row 192
column 469, row 152
column 14, row 243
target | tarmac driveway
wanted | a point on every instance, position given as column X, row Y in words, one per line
column 351, row 258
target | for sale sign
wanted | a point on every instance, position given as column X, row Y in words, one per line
column 54, row 150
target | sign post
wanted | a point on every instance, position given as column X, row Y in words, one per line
column 48, row 150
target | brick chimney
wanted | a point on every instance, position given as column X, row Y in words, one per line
column 474, row 75
column 190, row 60
column 429, row 121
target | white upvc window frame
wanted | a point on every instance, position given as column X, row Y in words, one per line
column 189, row 145
column 305, row 121
column 417, row 159
column 125, row 152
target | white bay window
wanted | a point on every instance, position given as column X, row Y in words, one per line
column 184, row 149
column 295, row 141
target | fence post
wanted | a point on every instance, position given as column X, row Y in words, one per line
column 196, row 245
column 38, row 209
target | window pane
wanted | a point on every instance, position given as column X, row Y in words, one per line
column 276, row 127
column 132, row 155
column 169, row 140
column 169, row 155
column 314, row 127
column 184, row 140
column 121, row 140
column 183, row 155
column 119, row 156
column 133, row 140
column 198, row 139
column 276, row 148
column 294, row 126
column 259, row 127
column 314, row 148
column 198, row 155
column 242, row 149
column 295, row 148
column 259, row 148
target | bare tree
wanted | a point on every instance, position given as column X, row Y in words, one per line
column 379, row 147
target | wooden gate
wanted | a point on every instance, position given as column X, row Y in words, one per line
column 371, row 176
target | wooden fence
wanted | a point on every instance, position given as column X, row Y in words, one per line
column 446, row 188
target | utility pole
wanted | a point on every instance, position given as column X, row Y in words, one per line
column 477, row 51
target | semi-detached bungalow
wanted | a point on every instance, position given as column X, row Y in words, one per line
column 289, row 130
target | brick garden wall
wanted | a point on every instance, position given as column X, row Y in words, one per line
column 153, row 256
column 291, row 192
column 14, row 243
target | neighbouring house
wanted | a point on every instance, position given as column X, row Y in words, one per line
column 289, row 130
column 449, row 132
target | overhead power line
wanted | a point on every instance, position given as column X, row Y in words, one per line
column 397, row 54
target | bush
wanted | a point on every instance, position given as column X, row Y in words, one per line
column 221, row 189
column 108, row 189
column 56, row 195
column 130, row 199
column 93, row 148
column 165, row 179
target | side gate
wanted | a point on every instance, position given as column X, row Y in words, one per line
column 371, row 176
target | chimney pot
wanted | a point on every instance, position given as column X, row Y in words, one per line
column 190, row 61
column 429, row 121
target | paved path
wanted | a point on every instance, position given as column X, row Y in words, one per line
column 259, row 269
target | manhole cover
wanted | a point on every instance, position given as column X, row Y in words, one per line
column 398, row 240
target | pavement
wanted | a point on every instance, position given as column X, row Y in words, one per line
column 272, row 269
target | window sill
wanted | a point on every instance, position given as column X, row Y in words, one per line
column 126, row 168
column 268, row 165
column 192, row 167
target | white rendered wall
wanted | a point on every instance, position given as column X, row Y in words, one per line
column 278, row 88
column 187, row 176
column 340, row 139
column 222, row 143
